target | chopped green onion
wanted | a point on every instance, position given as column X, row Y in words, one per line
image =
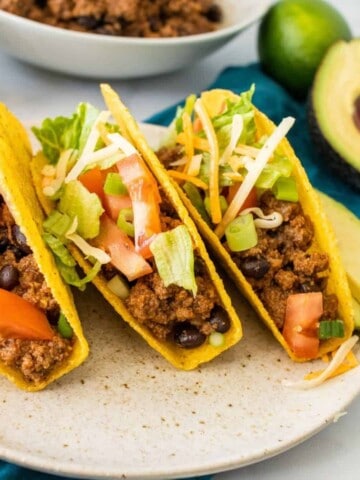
column 331, row 329
column 119, row 287
column 216, row 339
column 285, row 189
column 195, row 198
column 124, row 220
column 57, row 223
column 64, row 327
column 223, row 204
column 114, row 185
column 241, row 233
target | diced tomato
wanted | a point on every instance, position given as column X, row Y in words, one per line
column 145, row 199
column 94, row 180
column 303, row 311
column 21, row 319
column 114, row 203
column 251, row 199
column 121, row 250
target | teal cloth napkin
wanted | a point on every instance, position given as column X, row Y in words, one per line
column 276, row 103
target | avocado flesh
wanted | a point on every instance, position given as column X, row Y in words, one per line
column 346, row 227
column 334, row 97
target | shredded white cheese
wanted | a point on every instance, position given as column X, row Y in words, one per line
column 88, row 250
column 253, row 174
column 89, row 147
column 338, row 359
column 60, row 173
column 194, row 165
column 273, row 220
column 123, row 144
column 236, row 130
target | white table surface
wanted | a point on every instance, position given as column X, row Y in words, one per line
column 34, row 94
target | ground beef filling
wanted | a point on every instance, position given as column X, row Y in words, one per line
column 173, row 313
column 131, row 18
column 20, row 275
column 280, row 264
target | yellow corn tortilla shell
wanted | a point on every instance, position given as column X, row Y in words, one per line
column 18, row 192
column 177, row 356
column 324, row 238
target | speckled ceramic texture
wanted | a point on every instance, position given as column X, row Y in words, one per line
column 105, row 56
column 126, row 413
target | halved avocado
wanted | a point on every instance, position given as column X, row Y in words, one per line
column 346, row 227
column 334, row 113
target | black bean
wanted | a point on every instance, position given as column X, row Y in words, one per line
column 20, row 240
column 219, row 319
column 214, row 14
column 188, row 336
column 255, row 267
column 89, row 22
column 4, row 241
column 9, row 277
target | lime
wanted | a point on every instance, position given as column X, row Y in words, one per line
column 293, row 38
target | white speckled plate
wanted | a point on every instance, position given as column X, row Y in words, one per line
column 126, row 413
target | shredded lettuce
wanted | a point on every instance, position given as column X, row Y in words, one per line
column 63, row 133
column 223, row 122
column 59, row 249
column 78, row 202
column 174, row 258
column 71, row 277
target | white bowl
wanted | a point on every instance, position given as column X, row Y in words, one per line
column 101, row 56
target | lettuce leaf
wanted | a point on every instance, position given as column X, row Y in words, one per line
column 63, row 133
column 174, row 258
column 77, row 201
column 223, row 122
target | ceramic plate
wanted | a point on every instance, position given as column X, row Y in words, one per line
column 126, row 413
column 104, row 56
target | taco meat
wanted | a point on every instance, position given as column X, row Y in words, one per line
column 131, row 18
column 280, row 264
column 166, row 311
column 20, row 275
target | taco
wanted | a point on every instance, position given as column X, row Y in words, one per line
column 40, row 333
column 118, row 214
column 253, row 204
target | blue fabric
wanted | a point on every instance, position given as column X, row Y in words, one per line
column 13, row 472
column 276, row 103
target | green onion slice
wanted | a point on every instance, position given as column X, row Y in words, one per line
column 241, row 233
column 285, row 189
column 114, row 185
column 64, row 327
column 124, row 220
column 331, row 329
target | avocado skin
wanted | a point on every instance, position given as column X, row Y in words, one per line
column 330, row 157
